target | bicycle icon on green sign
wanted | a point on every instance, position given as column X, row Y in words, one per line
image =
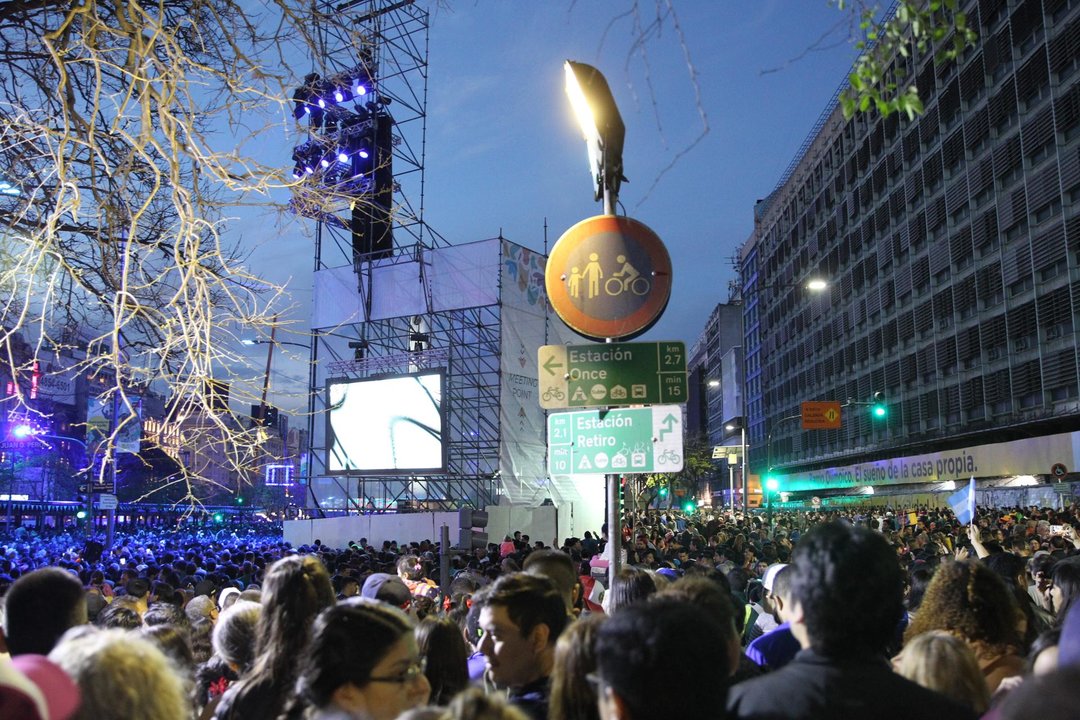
column 554, row 393
column 669, row 456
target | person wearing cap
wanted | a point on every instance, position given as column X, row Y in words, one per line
column 388, row 588
column 227, row 597
column 34, row 688
column 777, row 647
column 521, row 618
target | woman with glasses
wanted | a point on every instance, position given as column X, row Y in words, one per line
column 362, row 664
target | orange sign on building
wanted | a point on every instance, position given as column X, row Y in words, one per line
column 821, row 415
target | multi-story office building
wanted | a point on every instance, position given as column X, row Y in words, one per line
column 715, row 401
column 715, row 393
column 951, row 243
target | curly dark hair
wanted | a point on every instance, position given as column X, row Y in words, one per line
column 970, row 600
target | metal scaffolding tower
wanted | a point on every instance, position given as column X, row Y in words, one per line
column 360, row 173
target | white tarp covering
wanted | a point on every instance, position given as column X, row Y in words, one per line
column 522, row 453
column 397, row 290
column 335, row 298
column 465, row 276
column 456, row 277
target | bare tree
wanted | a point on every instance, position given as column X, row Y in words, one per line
column 111, row 234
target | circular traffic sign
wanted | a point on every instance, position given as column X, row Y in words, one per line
column 609, row 277
column 1059, row 470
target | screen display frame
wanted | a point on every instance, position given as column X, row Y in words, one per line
column 334, row 463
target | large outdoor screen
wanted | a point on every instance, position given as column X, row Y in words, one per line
column 386, row 425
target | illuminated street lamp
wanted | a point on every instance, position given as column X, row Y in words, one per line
column 740, row 425
column 603, row 128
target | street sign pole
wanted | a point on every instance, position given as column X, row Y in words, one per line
column 614, row 523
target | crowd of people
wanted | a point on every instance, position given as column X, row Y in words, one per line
column 843, row 614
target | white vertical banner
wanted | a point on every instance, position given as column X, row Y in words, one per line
column 523, row 450
column 528, row 323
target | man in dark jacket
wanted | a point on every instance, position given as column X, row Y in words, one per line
column 847, row 591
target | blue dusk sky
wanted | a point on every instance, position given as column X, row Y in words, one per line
column 504, row 153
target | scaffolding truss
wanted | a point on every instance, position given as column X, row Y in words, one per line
column 466, row 344
column 391, row 38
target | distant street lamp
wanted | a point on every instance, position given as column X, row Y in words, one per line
column 740, row 425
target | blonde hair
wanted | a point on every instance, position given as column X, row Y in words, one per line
column 121, row 675
column 943, row 662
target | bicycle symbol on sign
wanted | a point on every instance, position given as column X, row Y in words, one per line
column 668, row 456
column 554, row 393
column 626, row 279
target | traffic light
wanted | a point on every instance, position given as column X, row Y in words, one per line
column 878, row 409
column 689, row 507
column 470, row 529
column 81, row 515
column 772, row 483
column 663, row 491
column 239, row 500
column 219, row 518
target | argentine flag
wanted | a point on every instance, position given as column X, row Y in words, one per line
column 962, row 503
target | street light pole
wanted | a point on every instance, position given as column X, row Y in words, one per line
column 745, row 480
column 604, row 131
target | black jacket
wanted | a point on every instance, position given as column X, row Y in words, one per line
column 858, row 688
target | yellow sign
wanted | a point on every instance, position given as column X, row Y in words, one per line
column 821, row 415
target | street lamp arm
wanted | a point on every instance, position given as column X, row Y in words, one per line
column 65, row 438
column 275, row 342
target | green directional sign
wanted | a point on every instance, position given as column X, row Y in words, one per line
column 623, row 440
column 612, row 374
